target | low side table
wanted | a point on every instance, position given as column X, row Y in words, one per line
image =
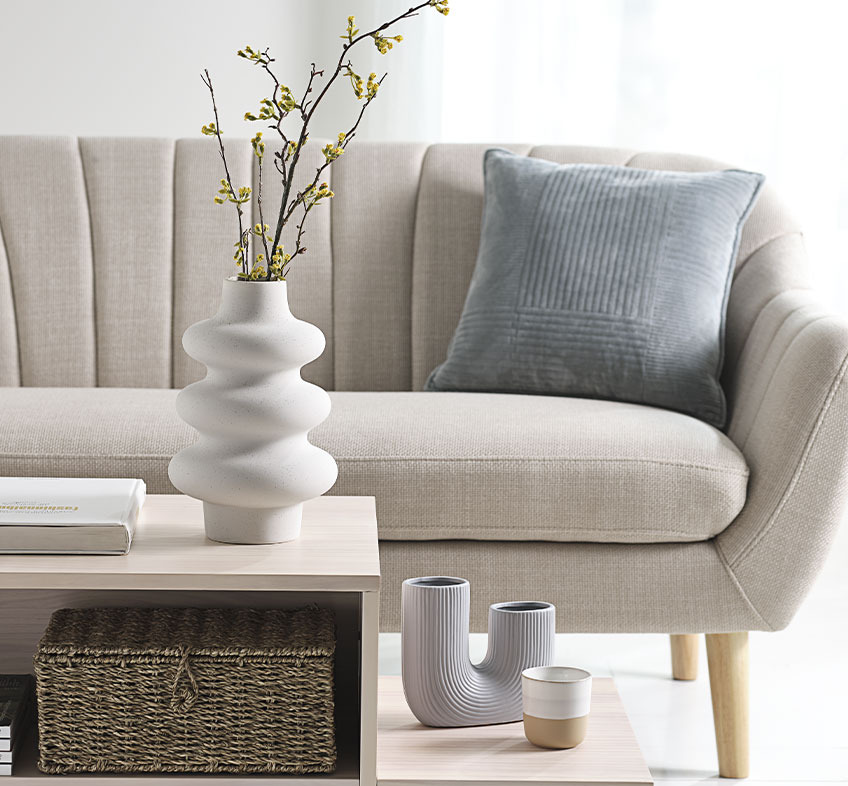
column 409, row 754
column 334, row 563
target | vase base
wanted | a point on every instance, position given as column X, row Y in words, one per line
column 228, row 524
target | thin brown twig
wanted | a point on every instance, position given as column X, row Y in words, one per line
column 262, row 222
column 284, row 213
column 299, row 248
column 303, row 102
column 208, row 82
column 348, row 136
column 277, row 88
column 280, row 115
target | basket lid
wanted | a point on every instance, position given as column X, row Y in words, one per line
column 235, row 632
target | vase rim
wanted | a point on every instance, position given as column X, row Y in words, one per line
column 525, row 606
column 437, row 582
column 557, row 674
column 237, row 280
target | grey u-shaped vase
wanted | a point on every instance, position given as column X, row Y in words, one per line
column 442, row 686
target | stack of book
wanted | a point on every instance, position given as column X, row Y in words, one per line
column 69, row 515
column 16, row 699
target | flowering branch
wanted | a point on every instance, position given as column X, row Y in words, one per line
column 277, row 109
column 227, row 192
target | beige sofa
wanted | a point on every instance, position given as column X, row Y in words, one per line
column 628, row 518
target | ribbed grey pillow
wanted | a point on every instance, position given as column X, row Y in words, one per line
column 601, row 282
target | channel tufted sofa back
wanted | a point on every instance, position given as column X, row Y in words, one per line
column 111, row 247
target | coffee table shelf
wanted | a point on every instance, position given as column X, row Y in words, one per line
column 409, row 754
column 335, row 563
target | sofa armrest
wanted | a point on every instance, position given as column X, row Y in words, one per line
column 789, row 415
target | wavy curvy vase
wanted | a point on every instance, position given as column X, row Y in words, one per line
column 442, row 686
column 252, row 464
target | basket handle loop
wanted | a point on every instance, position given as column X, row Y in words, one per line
column 183, row 696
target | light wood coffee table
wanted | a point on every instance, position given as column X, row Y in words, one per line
column 409, row 754
column 334, row 563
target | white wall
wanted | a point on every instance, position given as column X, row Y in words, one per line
column 130, row 67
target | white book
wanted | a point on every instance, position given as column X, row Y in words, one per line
column 5, row 769
column 5, row 757
column 69, row 515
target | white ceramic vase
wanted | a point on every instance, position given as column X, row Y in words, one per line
column 252, row 464
column 442, row 686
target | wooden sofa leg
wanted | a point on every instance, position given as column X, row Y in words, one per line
column 727, row 657
column 684, row 656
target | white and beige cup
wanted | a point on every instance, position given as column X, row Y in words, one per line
column 556, row 705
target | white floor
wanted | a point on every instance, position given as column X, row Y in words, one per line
column 799, row 692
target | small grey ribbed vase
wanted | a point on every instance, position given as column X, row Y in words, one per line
column 442, row 686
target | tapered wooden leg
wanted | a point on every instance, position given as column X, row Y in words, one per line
column 727, row 657
column 684, row 656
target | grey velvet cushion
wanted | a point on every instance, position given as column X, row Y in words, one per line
column 601, row 281
column 441, row 465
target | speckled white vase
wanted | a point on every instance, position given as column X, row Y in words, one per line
column 442, row 686
column 252, row 464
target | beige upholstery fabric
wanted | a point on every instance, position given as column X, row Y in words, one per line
column 79, row 432
column 310, row 283
column 376, row 189
column 452, row 465
column 502, row 467
column 44, row 217
column 447, row 233
column 561, row 154
column 204, row 234
column 388, row 265
column 790, row 417
column 9, row 361
column 391, row 259
column 777, row 266
column 596, row 587
column 131, row 202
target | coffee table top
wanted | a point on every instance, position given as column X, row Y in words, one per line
column 337, row 551
column 409, row 754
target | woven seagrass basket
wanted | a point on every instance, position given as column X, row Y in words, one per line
column 186, row 690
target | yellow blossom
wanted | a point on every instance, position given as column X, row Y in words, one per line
column 373, row 85
column 351, row 31
column 384, row 43
column 355, row 81
column 258, row 145
column 330, row 152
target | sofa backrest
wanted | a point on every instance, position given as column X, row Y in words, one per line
column 110, row 248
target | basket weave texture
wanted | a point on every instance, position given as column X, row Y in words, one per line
column 186, row 690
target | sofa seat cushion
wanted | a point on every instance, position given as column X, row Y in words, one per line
column 441, row 465
column 91, row 432
column 488, row 466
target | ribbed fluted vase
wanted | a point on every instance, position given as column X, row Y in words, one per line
column 442, row 686
column 252, row 464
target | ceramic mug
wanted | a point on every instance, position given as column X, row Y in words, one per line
column 556, row 705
